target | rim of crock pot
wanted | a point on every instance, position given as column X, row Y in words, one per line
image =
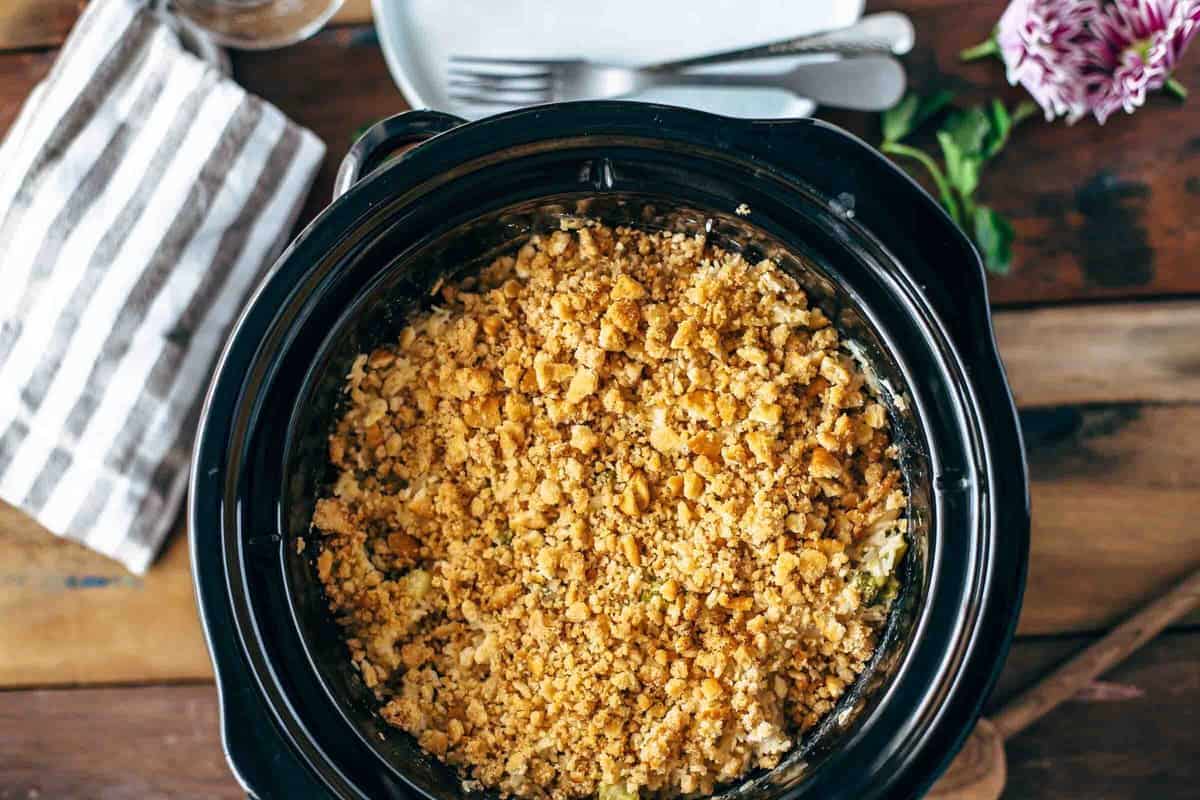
column 951, row 353
column 245, row 622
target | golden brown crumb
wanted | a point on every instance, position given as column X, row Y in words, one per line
column 609, row 519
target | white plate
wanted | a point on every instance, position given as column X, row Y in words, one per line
column 418, row 36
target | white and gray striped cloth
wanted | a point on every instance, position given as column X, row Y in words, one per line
column 142, row 195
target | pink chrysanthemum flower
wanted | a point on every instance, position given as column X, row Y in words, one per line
column 1136, row 46
column 1044, row 47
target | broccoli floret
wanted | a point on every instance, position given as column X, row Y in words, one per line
column 867, row 587
column 889, row 590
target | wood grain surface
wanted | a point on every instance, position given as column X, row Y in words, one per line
column 1110, row 398
column 1086, row 667
column 1131, row 734
column 1101, row 211
column 68, row 615
column 163, row 741
column 113, row 744
column 1128, row 353
column 1114, row 518
column 1097, row 215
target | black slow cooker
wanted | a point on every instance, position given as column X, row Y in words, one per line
column 898, row 277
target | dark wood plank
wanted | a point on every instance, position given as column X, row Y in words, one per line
column 1099, row 211
column 36, row 23
column 1116, row 496
column 113, row 744
column 1129, row 736
column 1034, row 657
column 19, row 73
column 1112, row 429
column 1104, row 353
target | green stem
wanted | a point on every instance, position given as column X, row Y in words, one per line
column 1024, row 110
column 986, row 48
column 935, row 172
column 1175, row 88
column 968, row 212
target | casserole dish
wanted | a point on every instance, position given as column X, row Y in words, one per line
column 877, row 253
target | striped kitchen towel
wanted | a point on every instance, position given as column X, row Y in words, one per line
column 142, row 196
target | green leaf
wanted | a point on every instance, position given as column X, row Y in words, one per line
column 945, row 193
column 994, row 236
column 1024, row 110
column 932, row 104
column 911, row 113
column 898, row 120
column 962, row 169
column 1001, row 125
column 988, row 47
column 968, row 138
column 968, row 212
column 968, row 128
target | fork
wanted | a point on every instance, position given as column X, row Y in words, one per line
column 870, row 83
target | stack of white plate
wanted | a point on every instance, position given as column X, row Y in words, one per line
column 419, row 36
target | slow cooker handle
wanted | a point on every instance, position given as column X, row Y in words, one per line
column 383, row 139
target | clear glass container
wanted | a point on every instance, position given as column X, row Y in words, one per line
column 256, row 24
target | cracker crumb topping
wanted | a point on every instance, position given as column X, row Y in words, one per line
column 618, row 517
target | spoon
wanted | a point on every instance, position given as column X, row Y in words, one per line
column 885, row 32
column 978, row 772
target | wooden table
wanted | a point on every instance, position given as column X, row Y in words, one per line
column 107, row 685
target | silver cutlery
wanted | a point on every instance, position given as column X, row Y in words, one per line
column 869, row 83
column 885, row 32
